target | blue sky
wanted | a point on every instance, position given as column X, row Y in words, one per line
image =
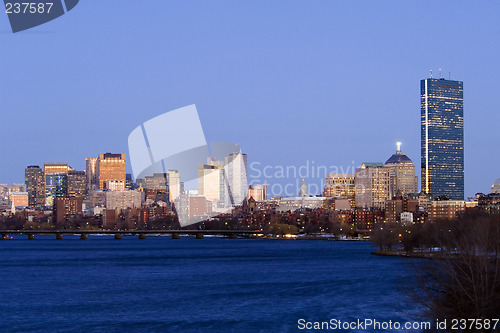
column 326, row 81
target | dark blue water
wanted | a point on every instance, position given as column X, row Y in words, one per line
column 189, row 285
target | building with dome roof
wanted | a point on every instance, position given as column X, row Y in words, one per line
column 402, row 174
column 495, row 188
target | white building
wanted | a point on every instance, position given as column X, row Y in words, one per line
column 235, row 167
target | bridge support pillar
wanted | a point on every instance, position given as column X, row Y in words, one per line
column 31, row 236
column 142, row 236
column 199, row 236
column 83, row 236
column 118, row 236
column 59, row 236
column 175, row 236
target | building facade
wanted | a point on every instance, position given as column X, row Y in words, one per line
column 235, row 167
column 35, row 185
column 372, row 185
column 257, row 191
column 211, row 182
column 110, row 167
column 442, row 137
column 446, row 209
column 402, row 174
column 77, row 184
column 339, row 185
column 91, row 173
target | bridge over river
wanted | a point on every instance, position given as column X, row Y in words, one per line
column 140, row 233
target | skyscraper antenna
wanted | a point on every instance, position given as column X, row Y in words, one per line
column 449, row 75
column 431, row 73
column 440, row 76
column 398, row 145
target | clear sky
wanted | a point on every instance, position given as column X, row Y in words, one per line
column 291, row 81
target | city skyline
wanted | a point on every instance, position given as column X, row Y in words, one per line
column 303, row 92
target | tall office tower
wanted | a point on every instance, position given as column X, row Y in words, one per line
column 372, row 185
column 77, row 186
column 339, row 185
column 442, row 137
column 402, row 174
column 35, row 185
column 110, row 167
column 56, row 185
column 91, row 173
column 235, row 168
column 257, row 191
column 56, row 168
column 211, row 181
column 174, row 184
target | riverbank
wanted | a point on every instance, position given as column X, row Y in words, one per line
column 413, row 254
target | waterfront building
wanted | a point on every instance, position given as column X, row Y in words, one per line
column 364, row 219
column 257, row 191
column 110, row 167
column 372, row 185
column 77, row 183
column 66, row 206
column 35, row 185
column 402, row 174
column 446, row 209
column 442, row 137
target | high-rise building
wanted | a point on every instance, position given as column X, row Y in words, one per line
column 77, row 186
column 110, row 167
column 235, row 168
column 339, row 185
column 257, row 191
column 174, row 184
column 442, row 137
column 211, row 181
column 35, row 185
column 91, row 173
column 56, row 185
column 372, row 185
column 402, row 174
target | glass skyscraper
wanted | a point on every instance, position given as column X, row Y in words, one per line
column 442, row 137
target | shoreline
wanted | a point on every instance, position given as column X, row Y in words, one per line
column 404, row 254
